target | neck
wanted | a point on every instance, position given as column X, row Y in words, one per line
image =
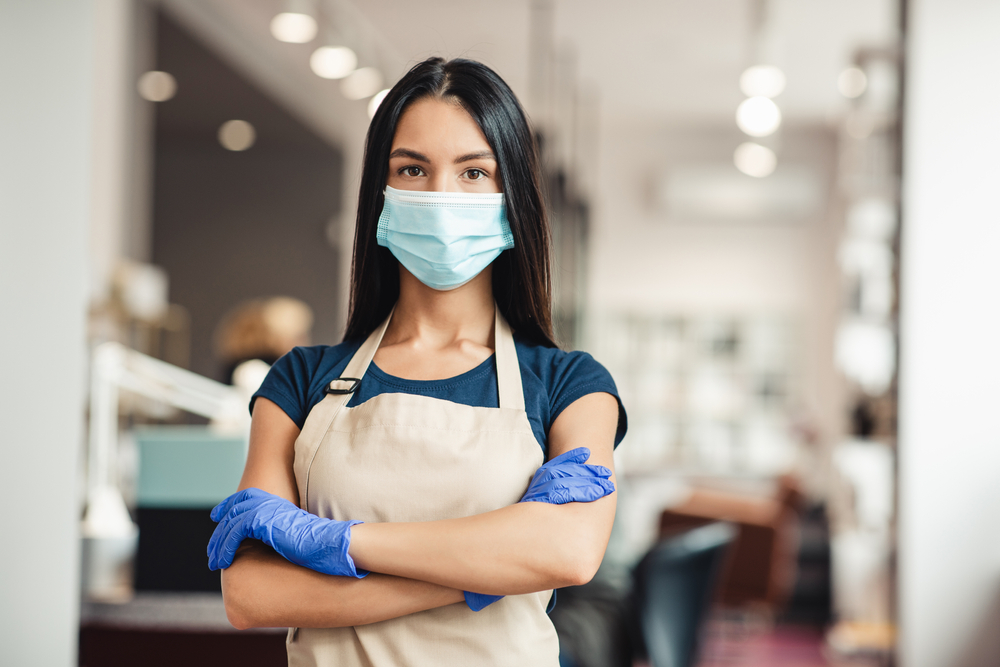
column 439, row 319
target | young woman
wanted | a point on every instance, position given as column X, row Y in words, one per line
column 432, row 421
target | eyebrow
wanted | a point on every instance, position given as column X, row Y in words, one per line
column 406, row 152
column 481, row 155
column 414, row 155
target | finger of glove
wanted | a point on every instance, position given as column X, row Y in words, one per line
column 265, row 509
column 225, row 540
column 244, row 512
column 213, row 542
column 240, row 511
column 227, row 550
column 480, row 601
column 571, row 470
column 578, row 455
column 571, row 490
column 225, row 525
column 222, row 509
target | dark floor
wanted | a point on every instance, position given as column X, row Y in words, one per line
column 730, row 645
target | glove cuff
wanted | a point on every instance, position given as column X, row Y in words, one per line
column 479, row 601
column 353, row 571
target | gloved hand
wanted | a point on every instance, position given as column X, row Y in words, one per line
column 568, row 478
column 565, row 479
column 302, row 538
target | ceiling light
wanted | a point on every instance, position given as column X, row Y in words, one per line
column 852, row 82
column 375, row 101
column 361, row 83
column 293, row 27
column 762, row 80
column 333, row 62
column 755, row 160
column 237, row 135
column 157, row 86
column 758, row 116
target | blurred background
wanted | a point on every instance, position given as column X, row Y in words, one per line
column 773, row 221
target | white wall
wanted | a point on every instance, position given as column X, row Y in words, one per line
column 643, row 259
column 45, row 133
column 950, row 321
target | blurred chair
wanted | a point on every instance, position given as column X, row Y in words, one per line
column 762, row 571
column 674, row 588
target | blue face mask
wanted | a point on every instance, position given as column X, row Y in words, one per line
column 445, row 239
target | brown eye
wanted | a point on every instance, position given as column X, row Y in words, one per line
column 412, row 172
column 474, row 174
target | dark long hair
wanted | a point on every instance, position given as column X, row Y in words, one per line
column 521, row 279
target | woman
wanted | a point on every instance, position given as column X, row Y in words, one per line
column 430, row 420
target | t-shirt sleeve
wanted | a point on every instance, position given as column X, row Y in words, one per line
column 287, row 384
column 576, row 375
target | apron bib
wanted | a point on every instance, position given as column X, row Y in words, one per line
column 401, row 457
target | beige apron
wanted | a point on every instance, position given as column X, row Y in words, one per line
column 401, row 457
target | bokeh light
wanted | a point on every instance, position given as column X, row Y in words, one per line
column 755, row 160
column 333, row 62
column 157, row 86
column 758, row 116
column 293, row 27
column 852, row 82
column 237, row 135
column 762, row 81
column 375, row 101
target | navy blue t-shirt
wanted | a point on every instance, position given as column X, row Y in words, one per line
column 551, row 378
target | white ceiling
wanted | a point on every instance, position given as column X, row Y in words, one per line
column 662, row 60
column 659, row 61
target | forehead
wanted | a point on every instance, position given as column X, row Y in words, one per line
column 438, row 126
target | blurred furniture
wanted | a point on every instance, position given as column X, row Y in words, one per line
column 761, row 571
column 674, row 588
column 263, row 329
column 595, row 623
column 109, row 535
column 184, row 471
column 168, row 629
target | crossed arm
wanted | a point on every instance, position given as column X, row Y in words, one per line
column 416, row 566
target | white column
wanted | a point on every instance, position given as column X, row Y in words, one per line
column 45, row 175
column 949, row 450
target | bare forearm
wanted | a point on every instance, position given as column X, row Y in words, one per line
column 262, row 589
column 518, row 549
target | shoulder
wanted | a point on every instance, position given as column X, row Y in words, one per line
column 555, row 367
column 562, row 377
column 312, row 363
column 317, row 357
column 296, row 380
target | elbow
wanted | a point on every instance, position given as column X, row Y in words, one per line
column 577, row 566
column 237, row 618
column 580, row 570
column 238, row 611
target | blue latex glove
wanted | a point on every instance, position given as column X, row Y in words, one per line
column 565, row 479
column 568, row 478
column 303, row 538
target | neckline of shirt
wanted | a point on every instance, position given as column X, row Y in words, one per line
column 462, row 378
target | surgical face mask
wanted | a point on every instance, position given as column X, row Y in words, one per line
column 445, row 239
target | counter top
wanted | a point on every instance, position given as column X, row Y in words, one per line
column 166, row 611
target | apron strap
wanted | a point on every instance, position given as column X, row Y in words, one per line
column 508, row 369
column 320, row 418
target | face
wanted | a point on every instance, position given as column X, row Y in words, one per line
column 438, row 147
